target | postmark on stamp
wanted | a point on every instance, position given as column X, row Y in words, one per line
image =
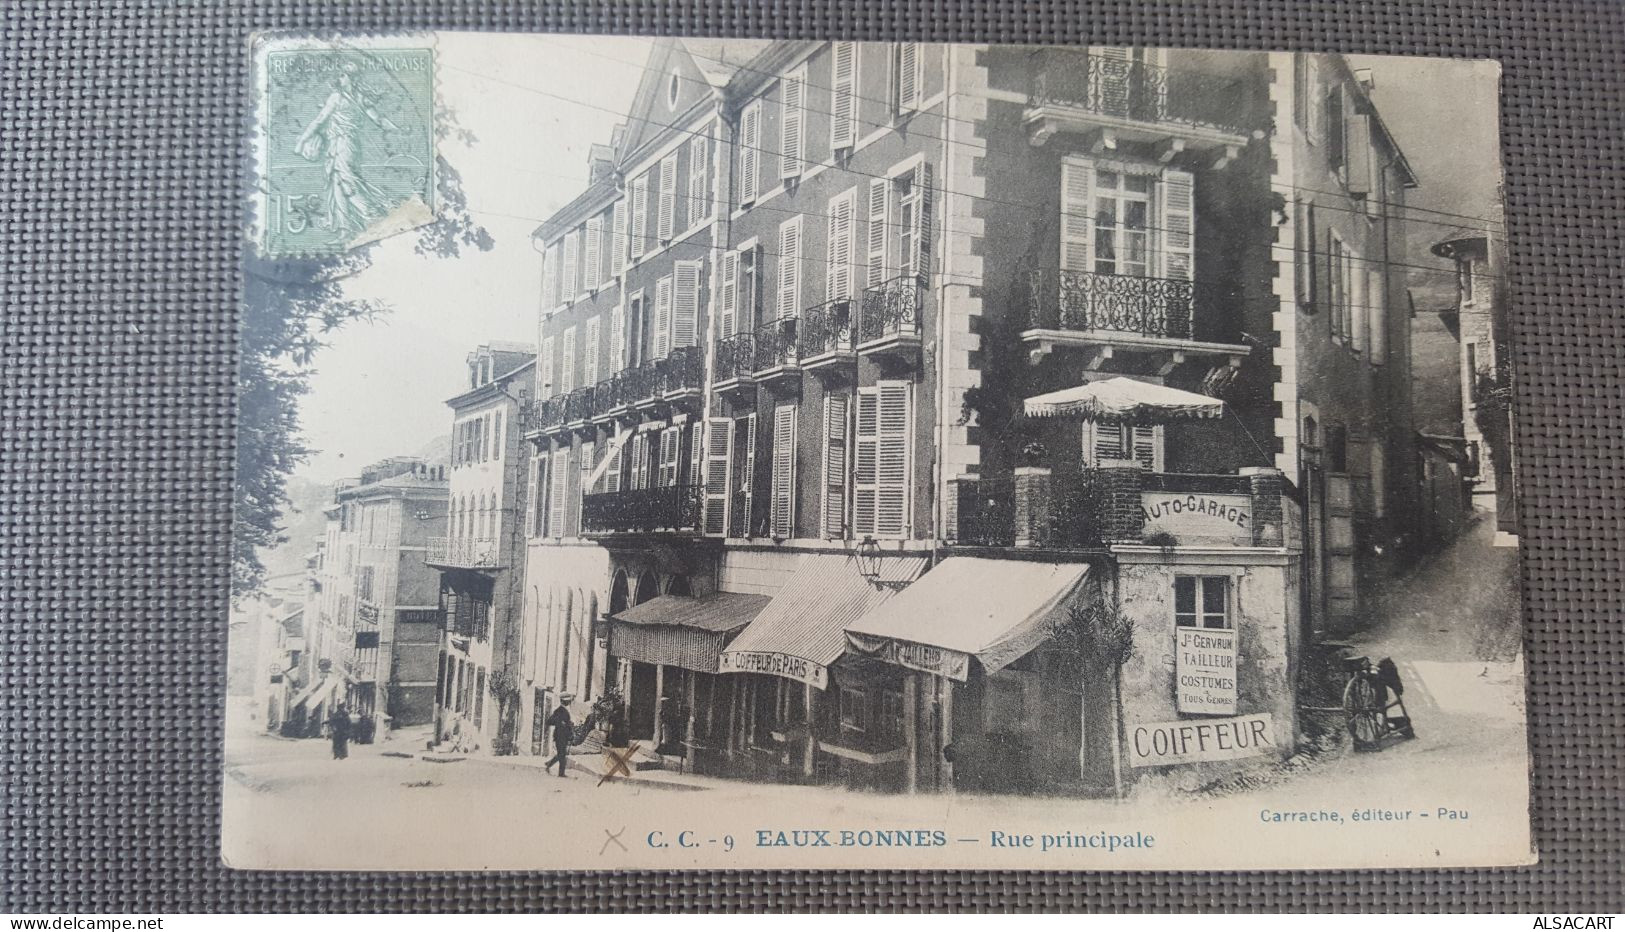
column 344, row 142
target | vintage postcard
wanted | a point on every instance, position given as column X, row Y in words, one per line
column 688, row 453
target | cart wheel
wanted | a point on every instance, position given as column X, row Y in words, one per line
column 1365, row 714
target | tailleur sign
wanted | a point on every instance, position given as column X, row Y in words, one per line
column 1205, row 670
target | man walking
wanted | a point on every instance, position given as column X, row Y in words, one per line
column 563, row 730
column 339, row 725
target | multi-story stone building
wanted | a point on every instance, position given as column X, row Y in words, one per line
column 789, row 336
column 479, row 553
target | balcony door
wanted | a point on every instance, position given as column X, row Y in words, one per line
column 1122, row 215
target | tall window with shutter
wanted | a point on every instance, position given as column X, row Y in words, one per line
column 612, row 480
column 696, row 454
column 642, row 450
column 728, row 295
column 882, row 495
column 685, row 303
column 1377, row 292
column 569, row 282
column 532, row 489
column 617, row 340
column 750, row 152
column 550, row 276
column 567, row 374
column 718, row 467
column 745, row 476
column 549, row 386
column 879, row 200
column 1359, row 323
column 1077, row 208
column 909, row 220
column 666, row 226
column 792, row 122
column 908, row 75
column 662, row 321
column 557, row 495
column 843, row 124
column 589, row 353
column 671, row 442
column 588, row 459
column 590, row 256
column 617, row 239
column 1314, row 101
column 838, row 275
column 699, row 178
column 1105, row 443
column 1305, row 266
column 789, row 292
column 833, row 513
column 1176, row 198
column 638, row 218
column 783, row 492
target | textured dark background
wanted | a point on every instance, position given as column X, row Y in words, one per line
column 122, row 141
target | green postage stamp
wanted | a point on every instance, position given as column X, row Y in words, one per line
column 344, row 141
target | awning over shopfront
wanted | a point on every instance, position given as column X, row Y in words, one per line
column 317, row 693
column 803, row 631
column 682, row 631
column 993, row 610
column 1124, row 400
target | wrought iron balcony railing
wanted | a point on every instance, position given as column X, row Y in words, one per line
column 776, row 344
column 671, row 509
column 543, row 414
column 894, row 308
column 1136, row 90
column 578, row 405
column 827, row 329
column 1160, row 307
column 736, row 357
column 638, row 384
column 683, row 370
column 366, row 613
column 470, row 553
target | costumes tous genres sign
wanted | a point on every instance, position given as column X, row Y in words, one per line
column 1205, row 670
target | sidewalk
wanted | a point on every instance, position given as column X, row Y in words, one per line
column 585, row 765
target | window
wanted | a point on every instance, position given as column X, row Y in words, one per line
column 1377, row 297
column 592, row 266
column 750, row 152
column 547, row 368
column 617, row 340
column 1303, row 230
column 748, row 309
column 789, row 294
column 1106, row 443
column 567, row 373
column 882, row 493
column 1469, row 371
column 1315, row 101
column 639, row 217
column 907, row 75
column 632, row 340
column 718, row 447
column 589, row 353
column 1464, row 279
column 1127, row 219
column 835, row 469
column 1337, row 257
column 854, row 708
column 556, row 497
column 536, row 475
column 1337, row 448
column 617, row 239
column 550, row 276
column 1122, row 212
column 671, row 442
column 662, row 321
column 792, row 122
column 742, row 515
column 843, row 125
column 666, row 225
column 569, row 282
column 685, row 310
column 479, row 697
column 783, row 495
column 728, row 295
column 1202, row 601
column 1336, row 130
column 699, row 186
column 838, row 274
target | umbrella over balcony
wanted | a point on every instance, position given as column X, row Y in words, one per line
column 1125, row 400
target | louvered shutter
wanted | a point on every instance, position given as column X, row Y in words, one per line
column 698, row 202
column 617, row 340
column 685, row 304
column 865, row 463
column 556, row 500
column 1148, row 447
column 589, row 353
column 548, row 387
column 530, row 495
column 747, row 475
column 879, row 191
column 639, row 221
column 750, row 152
column 1377, row 292
column 671, row 456
column 729, row 297
column 1178, row 223
column 640, row 461
column 1077, row 204
column 789, row 302
column 666, row 225
column 792, row 118
column 589, row 458
column 696, row 453
column 843, row 127
column 550, row 276
column 590, row 259
column 1361, row 162
column 835, row 476
column 617, row 239
column 568, row 281
column 1316, row 125
column 893, row 491
column 542, row 501
column 1360, row 323
column 567, row 377
column 662, row 332
column 718, row 463
column 838, row 276
column 908, row 76
column 784, row 471
column 922, row 217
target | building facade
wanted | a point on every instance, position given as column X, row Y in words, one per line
column 788, row 337
column 478, row 553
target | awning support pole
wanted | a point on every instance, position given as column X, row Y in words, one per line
column 911, row 720
column 812, row 740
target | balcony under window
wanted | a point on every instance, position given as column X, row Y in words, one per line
column 777, row 353
column 1114, row 95
column 1111, row 315
column 827, row 337
column 468, row 553
column 736, row 363
column 681, row 374
column 672, row 509
column 892, row 317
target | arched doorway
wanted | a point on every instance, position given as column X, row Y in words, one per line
column 648, row 587
column 618, row 593
column 678, row 585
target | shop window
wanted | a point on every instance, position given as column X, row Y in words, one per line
column 890, row 724
column 1202, row 601
column 854, row 709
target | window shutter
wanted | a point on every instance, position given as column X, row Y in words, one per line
column 792, row 91
column 589, row 459
column 843, row 126
column 671, row 443
column 696, row 453
column 1148, row 447
column 617, row 240
column 568, row 281
column 567, row 377
column 662, row 333
column 838, row 277
column 1315, row 102
column 1178, row 224
column 599, row 453
column 835, row 478
column 865, row 462
column 539, row 503
column 550, row 276
column 666, row 225
column 589, row 353
column 908, row 76
column 922, row 216
column 1077, row 197
column 1302, row 262
column 617, row 340
column 640, row 461
column 750, row 152
column 1377, row 291
column 789, row 268
column 639, row 234
column 718, row 462
column 530, row 495
column 548, row 388
column 893, row 457
column 784, row 471
column 729, row 298
column 698, row 203
column 589, row 254
column 879, row 190
column 747, row 474
column 555, row 514
column 1359, row 158
column 686, row 304
column 1359, row 320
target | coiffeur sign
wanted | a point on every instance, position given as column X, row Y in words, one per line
column 1157, row 744
column 1205, row 670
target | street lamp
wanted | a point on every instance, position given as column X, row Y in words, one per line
column 868, row 554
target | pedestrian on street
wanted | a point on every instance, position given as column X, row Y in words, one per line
column 339, row 727
column 563, row 730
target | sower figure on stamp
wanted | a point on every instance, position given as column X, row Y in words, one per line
column 352, row 201
column 562, row 727
column 339, row 727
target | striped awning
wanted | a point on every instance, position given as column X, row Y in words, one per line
column 803, row 631
column 1124, row 400
column 682, row 631
column 318, row 691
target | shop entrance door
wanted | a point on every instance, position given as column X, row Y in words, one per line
column 640, row 703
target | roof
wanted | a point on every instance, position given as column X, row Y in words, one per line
column 717, row 612
column 599, row 194
column 804, row 630
column 720, row 59
column 996, row 611
column 1476, row 246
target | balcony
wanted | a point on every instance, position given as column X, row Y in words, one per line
column 366, row 613
column 542, row 415
column 1111, row 99
column 479, row 553
column 892, row 318
column 672, row 509
column 681, row 374
column 580, row 407
column 777, row 354
column 637, row 386
column 736, row 363
column 827, row 335
column 1110, row 314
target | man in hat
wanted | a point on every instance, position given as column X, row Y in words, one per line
column 562, row 728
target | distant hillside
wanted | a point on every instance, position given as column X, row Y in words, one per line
column 302, row 524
